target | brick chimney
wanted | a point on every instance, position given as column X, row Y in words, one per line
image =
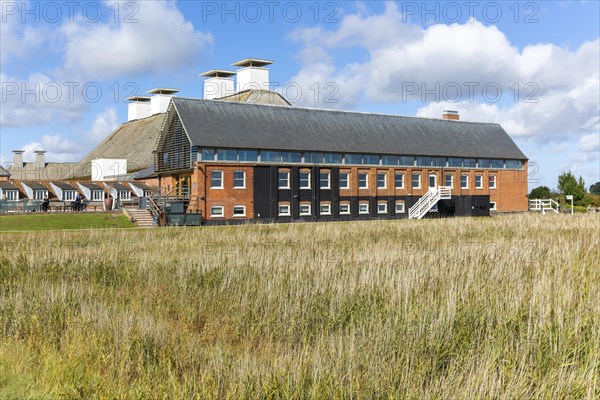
column 451, row 115
column 40, row 159
column 18, row 158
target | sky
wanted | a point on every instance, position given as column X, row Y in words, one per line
column 532, row 66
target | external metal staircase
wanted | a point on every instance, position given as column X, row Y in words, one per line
column 429, row 199
column 544, row 205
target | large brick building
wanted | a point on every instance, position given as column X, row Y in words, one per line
column 277, row 163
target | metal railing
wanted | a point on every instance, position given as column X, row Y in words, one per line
column 429, row 199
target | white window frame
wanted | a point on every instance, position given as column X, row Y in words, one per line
column 125, row 192
column 217, row 215
column 366, row 180
column 493, row 207
column 366, row 211
column 396, row 175
column 347, row 180
column 39, row 194
column 243, row 180
column 344, row 205
column 11, row 194
column 451, row 180
column 492, row 183
column 384, row 210
column 328, row 180
column 402, row 207
column 221, row 179
column 412, row 181
column 480, row 184
column 384, row 180
column 308, row 186
column 305, row 213
column 285, row 213
column 243, row 214
column 69, row 195
column 328, row 212
column 97, row 195
column 466, row 185
column 287, row 179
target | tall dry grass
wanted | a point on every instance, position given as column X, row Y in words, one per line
column 460, row 308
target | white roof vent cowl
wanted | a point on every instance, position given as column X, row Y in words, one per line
column 252, row 74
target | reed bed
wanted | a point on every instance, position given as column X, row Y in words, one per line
column 505, row 307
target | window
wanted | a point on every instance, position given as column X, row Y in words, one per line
column 313, row 158
column 381, row 180
column 216, row 179
column 39, row 194
column 424, row 161
column 370, row 159
column 363, row 180
column 325, row 209
column 208, row 154
column 407, row 161
column 464, row 181
column 324, row 180
column 248, row 155
column 270, row 156
column 450, row 180
column 514, row 164
column 363, row 208
column 305, row 209
column 239, row 211
column 344, row 208
column 69, row 195
column 492, row 205
column 304, row 180
column 382, row 208
column 478, row 182
column 291, row 157
column 97, row 195
column 124, row 194
column 332, row 158
column 469, row 162
column 11, row 194
column 492, row 181
column 455, row 162
column 439, row 162
column 284, row 210
column 389, row 160
column 226, row 155
column 416, row 181
column 354, row 159
column 399, row 178
column 216, row 212
column 484, row 163
column 283, row 180
column 239, row 179
column 399, row 207
column 344, row 180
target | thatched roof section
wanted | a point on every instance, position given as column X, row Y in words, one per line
column 133, row 141
column 254, row 96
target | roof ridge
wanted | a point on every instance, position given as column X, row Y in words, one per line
column 332, row 110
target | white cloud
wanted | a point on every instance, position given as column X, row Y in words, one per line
column 160, row 40
column 104, row 124
column 38, row 99
column 58, row 149
column 17, row 40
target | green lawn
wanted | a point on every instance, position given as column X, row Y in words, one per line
column 37, row 222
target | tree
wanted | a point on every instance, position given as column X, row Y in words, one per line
column 595, row 188
column 540, row 192
column 568, row 185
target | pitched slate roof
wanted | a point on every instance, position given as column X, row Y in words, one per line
column 8, row 186
column 64, row 186
column 35, row 185
column 91, row 186
column 213, row 123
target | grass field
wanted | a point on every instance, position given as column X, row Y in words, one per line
column 505, row 307
column 39, row 221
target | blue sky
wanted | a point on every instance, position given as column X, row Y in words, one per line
column 531, row 66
